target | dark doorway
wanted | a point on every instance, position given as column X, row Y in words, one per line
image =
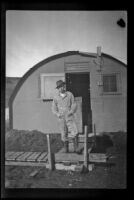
column 79, row 85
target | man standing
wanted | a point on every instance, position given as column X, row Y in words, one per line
column 64, row 107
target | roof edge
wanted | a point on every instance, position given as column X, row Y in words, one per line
column 109, row 56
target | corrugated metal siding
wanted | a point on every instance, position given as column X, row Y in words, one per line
column 35, row 115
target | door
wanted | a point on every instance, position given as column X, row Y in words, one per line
column 79, row 85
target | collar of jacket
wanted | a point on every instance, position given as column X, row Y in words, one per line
column 64, row 96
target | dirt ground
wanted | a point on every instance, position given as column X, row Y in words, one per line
column 107, row 176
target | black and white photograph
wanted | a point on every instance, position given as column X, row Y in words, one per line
column 66, row 99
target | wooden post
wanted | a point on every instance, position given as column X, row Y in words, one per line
column 86, row 147
column 51, row 160
column 94, row 135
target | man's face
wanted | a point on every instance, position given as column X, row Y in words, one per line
column 62, row 89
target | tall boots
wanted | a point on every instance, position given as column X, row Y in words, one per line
column 75, row 144
column 65, row 149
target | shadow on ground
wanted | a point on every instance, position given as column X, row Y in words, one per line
column 102, row 142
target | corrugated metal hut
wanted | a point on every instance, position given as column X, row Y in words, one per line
column 97, row 80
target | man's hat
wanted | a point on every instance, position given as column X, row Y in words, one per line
column 60, row 83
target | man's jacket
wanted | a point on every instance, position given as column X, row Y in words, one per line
column 65, row 106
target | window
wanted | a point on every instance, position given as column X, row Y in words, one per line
column 111, row 83
column 48, row 84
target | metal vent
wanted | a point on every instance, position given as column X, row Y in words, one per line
column 77, row 67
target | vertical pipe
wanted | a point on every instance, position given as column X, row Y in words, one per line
column 94, row 135
column 99, row 51
column 50, row 155
column 86, row 147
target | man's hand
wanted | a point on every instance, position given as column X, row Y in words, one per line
column 69, row 114
column 59, row 115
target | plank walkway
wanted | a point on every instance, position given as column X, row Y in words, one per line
column 13, row 155
column 41, row 159
column 33, row 156
column 26, row 156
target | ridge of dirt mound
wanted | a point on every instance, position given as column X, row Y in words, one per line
column 31, row 141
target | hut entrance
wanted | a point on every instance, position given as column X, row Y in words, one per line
column 79, row 85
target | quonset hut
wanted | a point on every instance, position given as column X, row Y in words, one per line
column 97, row 80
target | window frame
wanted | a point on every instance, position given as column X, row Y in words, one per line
column 118, row 83
column 42, row 83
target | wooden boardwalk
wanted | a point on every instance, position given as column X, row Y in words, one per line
column 41, row 158
column 26, row 156
column 83, row 159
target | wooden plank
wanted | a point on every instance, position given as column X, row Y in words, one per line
column 42, row 157
column 8, row 153
column 85, row 148
column 32, row 164
column 51, row 158
column 92, row 159
column 75, row 158
column 72, row 167
column 78, row 114
column 33, row 156
column 72, row 157
column 24, row 156
column 98, row 155
column 14, row 155
column 34, row 173
column 60, row 166
column 98, row 161
column 45, row 159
